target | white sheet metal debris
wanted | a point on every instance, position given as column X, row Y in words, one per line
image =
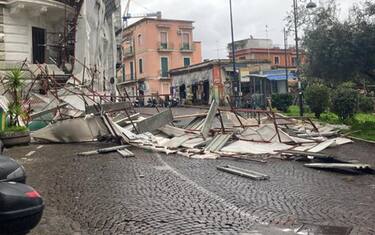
column 125, row 153
column 209, row 119
column 339, row 166
column 246, row 147
column 72, row 130
column 218, row 142
column 244, row 172
column 155, row 122
column 103, row 150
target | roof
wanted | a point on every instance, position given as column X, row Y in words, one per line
column 155, row 19
column 275, row 75
column 210, row 63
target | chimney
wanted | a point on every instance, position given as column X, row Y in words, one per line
column 158, row 15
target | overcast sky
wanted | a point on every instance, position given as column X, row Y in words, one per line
column 212, row 25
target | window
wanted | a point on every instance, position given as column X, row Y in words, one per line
column 242, row 58
column 38, row 41
column 186, row 61
column 163, row 40
column 140, row 64
column 277, row 60
column 123, row 73
column 164, row 67
column 294, row 61
column 131, row 70
column 139, row 39
column 185, row 41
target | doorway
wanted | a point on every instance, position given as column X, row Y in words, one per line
column 39, row 40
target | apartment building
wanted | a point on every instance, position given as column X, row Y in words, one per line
column 53, row 32
column 264, row 49
column 152, row 47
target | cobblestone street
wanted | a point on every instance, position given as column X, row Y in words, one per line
column 160, row 194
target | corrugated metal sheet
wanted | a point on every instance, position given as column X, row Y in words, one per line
column 218, row 142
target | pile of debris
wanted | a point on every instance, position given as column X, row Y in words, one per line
column 220, row 132
column 72, row 111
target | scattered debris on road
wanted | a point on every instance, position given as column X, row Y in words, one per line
column 244, row 172
column 76, row 113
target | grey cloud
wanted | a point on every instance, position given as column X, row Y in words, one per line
column 211, row 18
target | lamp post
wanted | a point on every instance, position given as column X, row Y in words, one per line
column 295, row 12
column 235, row 82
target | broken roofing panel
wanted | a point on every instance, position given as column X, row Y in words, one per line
column 155, row 122
column 246, row 147
column 72, row 130
column 209, row 118
column 218, row 142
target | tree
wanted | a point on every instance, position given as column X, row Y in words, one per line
column 341, row 51
column 344, row 101
column 317, row 97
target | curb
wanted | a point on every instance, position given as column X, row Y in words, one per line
column 363, row 140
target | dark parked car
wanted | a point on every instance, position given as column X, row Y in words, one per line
column 21, row 208
column 10, row 170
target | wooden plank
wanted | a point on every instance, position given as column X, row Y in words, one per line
column 125, row 153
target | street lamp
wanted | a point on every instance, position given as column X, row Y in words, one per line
column 295, row 11
column 235, row 82
column 310, row 5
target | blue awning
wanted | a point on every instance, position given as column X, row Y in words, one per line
column 276, row 75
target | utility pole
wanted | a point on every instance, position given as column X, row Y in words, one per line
column 286, row 60
column 295, row 6
column 235, row 81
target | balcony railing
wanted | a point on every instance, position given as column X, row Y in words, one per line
column 164, row 74
column 71, row 3
column 163, row 46
column 186, row 47
column 128, row 52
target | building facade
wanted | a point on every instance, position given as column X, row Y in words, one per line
column 199, row 84
column 152, row 47
column 263, row 49
column 32, row 29
column 76, row 37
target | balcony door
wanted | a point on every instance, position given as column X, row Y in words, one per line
column 164, row 67
column 39, row 41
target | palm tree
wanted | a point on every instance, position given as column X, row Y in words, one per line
column 13, row 83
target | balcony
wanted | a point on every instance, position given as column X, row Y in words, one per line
column 128, row 52
column 186, row 47
column 164, row 74
column 165, row 47
column 53, row 9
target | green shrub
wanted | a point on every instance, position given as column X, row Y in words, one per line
column 282, row 101
column 13, row 129
column 317, row 97
column 365, row 104
column 330, row 118
column 363, row 121
column 344, row 102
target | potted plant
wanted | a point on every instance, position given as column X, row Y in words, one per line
column 15, row 133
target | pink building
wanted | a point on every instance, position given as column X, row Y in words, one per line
column 151, row 47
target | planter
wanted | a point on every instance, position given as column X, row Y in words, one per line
column 10, row 139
